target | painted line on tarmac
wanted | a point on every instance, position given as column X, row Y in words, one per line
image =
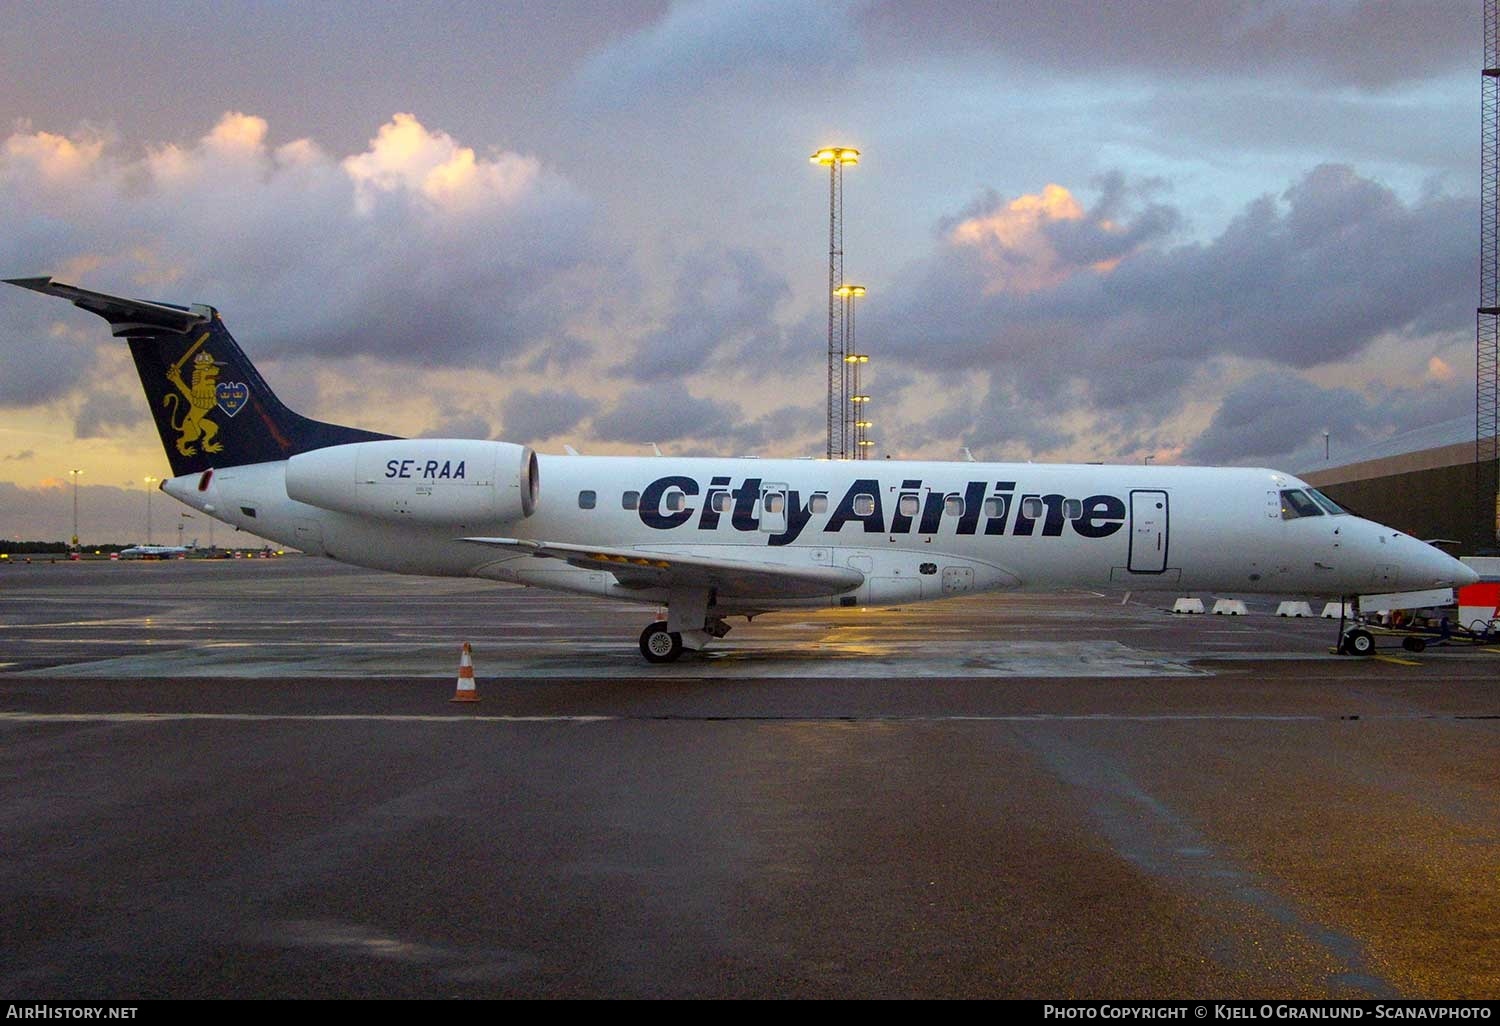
column 169, row 717
column 174, row 717
column 615, row 662
column 1397, row 660
column 1152, row 836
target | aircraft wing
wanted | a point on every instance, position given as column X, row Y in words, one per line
column 125, row 316
column 635, row 568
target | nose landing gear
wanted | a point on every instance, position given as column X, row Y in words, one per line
column 1357, row 641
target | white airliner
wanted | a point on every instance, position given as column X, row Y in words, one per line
column 712, row 539
column 154, row 551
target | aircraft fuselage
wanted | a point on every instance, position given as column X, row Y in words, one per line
column 914, row 530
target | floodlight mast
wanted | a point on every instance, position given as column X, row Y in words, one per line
column 835, row 158
column 1487, row 326
column 853, row 361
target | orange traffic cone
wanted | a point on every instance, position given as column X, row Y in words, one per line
column 466, row 692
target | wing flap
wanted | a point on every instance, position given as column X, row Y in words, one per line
column 126, row 317
column 635, row 568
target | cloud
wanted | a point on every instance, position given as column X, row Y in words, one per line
column 42, row 360
column 531, row 416
column 1364, row 43
column 24, row 454
column 1036, row 242
column 1235, row 123
column 1275, row 419
column 418, row 249
column 417, row 254
column 103, row 413
column 698, row 43
column 54, row 159
column 405, row 159
column 460, row 425
column 777, row 429
column 721, row 305
column 663, row 414
column 1272, row 415
column 1098, row 310
column 1310, row 280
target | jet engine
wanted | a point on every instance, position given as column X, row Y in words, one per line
column 437, row 481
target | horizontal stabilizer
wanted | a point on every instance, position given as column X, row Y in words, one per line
column 126, row 317
column 636, row 568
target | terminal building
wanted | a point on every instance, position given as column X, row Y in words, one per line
column 1423, row 483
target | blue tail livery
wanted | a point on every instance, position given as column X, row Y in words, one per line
column 212, row 407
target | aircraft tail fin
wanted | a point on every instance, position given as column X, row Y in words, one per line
column 211, row 406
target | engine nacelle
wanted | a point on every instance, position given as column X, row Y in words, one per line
column 440, row 481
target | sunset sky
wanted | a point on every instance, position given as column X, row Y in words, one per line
column 1204, row 231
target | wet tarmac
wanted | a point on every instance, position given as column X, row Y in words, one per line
column 246, row 779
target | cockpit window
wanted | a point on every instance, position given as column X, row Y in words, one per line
column 1333, row 508
column 1295, row 503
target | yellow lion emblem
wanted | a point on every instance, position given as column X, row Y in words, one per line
column 201, row 396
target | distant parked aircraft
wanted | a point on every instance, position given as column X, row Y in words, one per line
column 155, row 551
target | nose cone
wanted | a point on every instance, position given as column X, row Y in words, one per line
column 1437, row 569
column 1402, row 563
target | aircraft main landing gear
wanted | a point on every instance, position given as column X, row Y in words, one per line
column 689, row 625
column 660, row 645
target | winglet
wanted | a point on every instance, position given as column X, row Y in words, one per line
column 126, row 317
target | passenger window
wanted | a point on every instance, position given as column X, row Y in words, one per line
column 586, row 499
column 1032, row 508
column 993, row 507
column 1072, row 509
column 721, row 502
column 675, row 502
column 1296, row 504
column 908, row 504
column 630, row 500
column 953, row 505
column 775, row 502
column 818, row 503
column 864, row 505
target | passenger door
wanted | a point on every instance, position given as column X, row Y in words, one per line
column 1148, row 532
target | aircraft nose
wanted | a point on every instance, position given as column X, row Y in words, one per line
column 1414, row 565
column 1445, row 571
